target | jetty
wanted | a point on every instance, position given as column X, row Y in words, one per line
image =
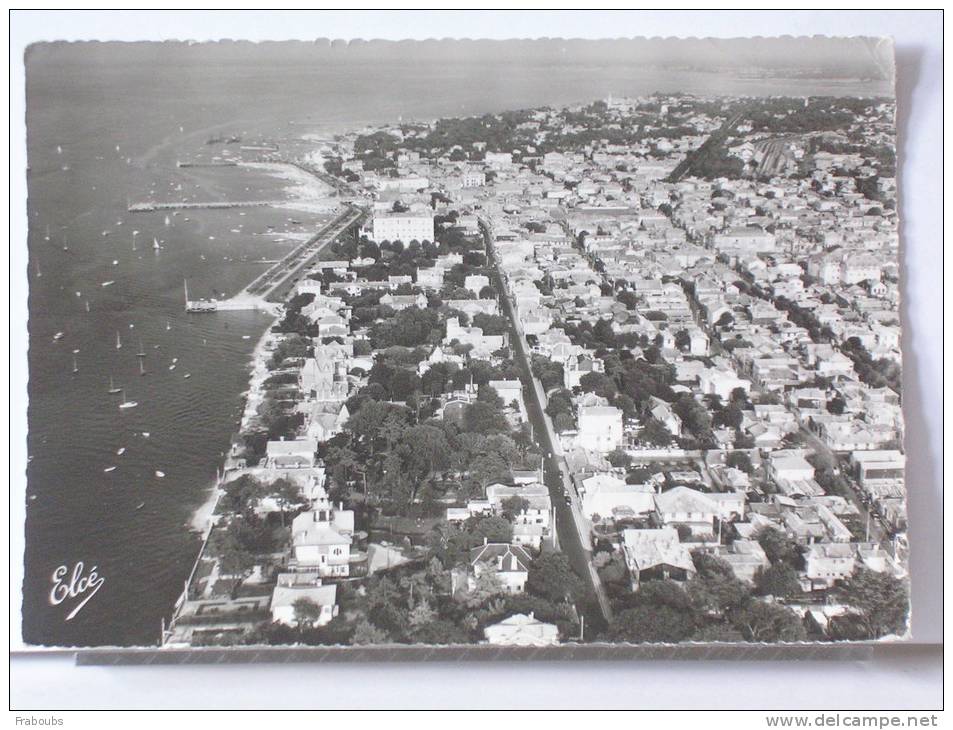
column 150, row 206
column 206, row 164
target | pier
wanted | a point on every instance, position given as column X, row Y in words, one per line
column 206, row 164
column 150, row 206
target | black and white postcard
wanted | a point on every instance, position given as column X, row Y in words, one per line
column 527, row 343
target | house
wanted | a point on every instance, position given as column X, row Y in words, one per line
column 605, row 496
column 600, row 428
column 290, row 454
column 326, row 421
column 522, row 630
column 510, row 391
column 475, row 283
column 510, row 562
column 656, row 555
column 662, row 411
column 827, row 563
column 790, row 466
column 294, row 587
column 689, row 508
column 321, row 540
column 745, row 557
column 721, row 383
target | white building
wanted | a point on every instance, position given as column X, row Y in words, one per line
column 405, row 228
column 600, row 428
column 522, row 630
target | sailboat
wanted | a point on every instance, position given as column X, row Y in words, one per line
column 112, row 387
column 118, row 341
column 38, row 272
column 75, row 366
column 168, row 222
column 155, row 244
column 59, row 150
column 47, row 236
column 87, row 306
column 168, row 325
column 127, row 403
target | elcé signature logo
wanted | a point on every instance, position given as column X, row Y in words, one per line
column 68, row 585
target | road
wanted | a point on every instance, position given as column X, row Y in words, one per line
column 878, row 532
column 269, row 282
column 570, row 526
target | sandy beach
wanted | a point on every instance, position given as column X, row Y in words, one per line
column 306, row 193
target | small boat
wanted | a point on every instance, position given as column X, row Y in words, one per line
column 59, row 150
column 120, row 451
column 105, row 233
column 58, row 336
column 172, row 367
column 127, row 403
column 113, row 390
column 145, row 434
column 140, row 505
column 168, row 221
column 187, row 376
column 107, row 283
column 115, row 262
column 175, row 360
column 109, row 469
column 160, row 474
column 246, row 337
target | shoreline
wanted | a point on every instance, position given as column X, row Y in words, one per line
column 201, row 519
column 305, row 192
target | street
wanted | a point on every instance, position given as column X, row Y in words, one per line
column 573, row 540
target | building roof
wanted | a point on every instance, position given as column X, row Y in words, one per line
column 509, row 558
column 522, row 630
column 684, row 500
column 647, row 548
